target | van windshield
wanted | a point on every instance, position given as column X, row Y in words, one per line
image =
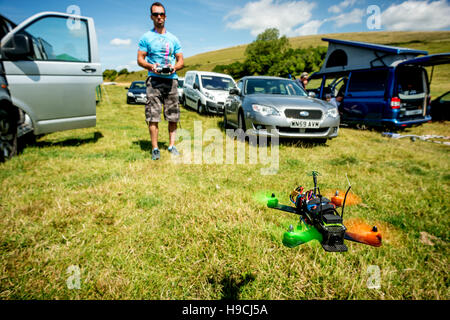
column 217, row 83
column 411, row 82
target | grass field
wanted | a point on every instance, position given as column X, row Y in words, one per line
column 142, row 229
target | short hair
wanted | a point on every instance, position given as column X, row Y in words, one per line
column 157, row 4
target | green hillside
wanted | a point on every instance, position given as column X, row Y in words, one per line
column 433, row 42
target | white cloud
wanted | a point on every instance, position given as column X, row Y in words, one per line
column 341, row 6
column 417, row 15
column 130, row 66
column 355, row 16
column 120, row 42
column 287, row 17
column 311, row 27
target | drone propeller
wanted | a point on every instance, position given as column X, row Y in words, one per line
column 263, row 197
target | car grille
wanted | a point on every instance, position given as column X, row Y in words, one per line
column 299, row 130
column 295, row 114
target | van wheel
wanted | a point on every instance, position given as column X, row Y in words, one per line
column 8, row 136
column 201, row 108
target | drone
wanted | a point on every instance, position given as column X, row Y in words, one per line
column 320, row 220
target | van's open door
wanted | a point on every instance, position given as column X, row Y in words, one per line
column 428, row 61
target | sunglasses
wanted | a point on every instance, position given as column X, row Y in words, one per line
column 155, row 14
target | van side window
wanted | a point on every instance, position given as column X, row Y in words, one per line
column 374, row 80
column 197, row 81
column 54, row 39
column 3, row 28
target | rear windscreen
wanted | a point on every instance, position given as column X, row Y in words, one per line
column 410, row 81
column 368, row 81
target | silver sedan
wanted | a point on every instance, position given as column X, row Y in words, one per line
column 269, row 105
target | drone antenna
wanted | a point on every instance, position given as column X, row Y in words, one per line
column 345, row 198
column 315, row 174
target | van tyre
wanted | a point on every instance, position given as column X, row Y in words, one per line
column 8, row 136
column 201, row 108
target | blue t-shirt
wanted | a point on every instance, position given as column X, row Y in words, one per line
column 160, row 48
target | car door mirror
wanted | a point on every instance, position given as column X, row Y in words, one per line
column 126, row 88
column 17, row 47
column 235, row 91
column 312, row 94
column 196, row 86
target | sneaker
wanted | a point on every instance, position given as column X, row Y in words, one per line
column 174, row 151
column 156, row 154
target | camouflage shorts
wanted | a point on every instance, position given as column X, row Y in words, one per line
column 162, row 92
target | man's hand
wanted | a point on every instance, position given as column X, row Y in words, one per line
column 154, row 68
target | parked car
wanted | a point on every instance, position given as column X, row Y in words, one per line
column 440, row 107
column 263, row 104
column 137, row 93
column 49, row 72
column 180, row 89
column 206, row 92
column 381, row 85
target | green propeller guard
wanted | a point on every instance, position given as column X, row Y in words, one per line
column 301, row 234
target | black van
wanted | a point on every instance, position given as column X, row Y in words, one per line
column 381, row 85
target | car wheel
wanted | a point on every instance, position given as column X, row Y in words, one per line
column 241, row 121
column 241, row 125
column 225, row 121
column 8, row 136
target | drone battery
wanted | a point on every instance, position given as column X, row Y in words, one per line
column 331, row 218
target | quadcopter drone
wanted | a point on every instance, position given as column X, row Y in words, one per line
column 319, row 220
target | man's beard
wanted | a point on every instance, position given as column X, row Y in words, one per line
column 159, row 25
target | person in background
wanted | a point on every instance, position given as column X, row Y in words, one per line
column 304, row 80
column 338, row 100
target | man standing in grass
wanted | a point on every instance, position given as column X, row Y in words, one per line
column 159, row 48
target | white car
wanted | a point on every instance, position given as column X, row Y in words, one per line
column 206, row 92
column 180, row 89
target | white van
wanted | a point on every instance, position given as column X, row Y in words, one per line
column 206, row 92
column 49, row 71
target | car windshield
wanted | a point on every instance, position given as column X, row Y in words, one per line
column 274, row 86
column 138, row 85
column 217, row 83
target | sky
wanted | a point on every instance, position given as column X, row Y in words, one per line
column 206, row 25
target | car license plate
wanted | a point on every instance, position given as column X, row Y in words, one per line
column 305, row 124
column 413, row 112
column 141, row 99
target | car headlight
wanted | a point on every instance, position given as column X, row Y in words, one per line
column 130, row 94
column 265, row 110
column 209, row 95
column 333, row 112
